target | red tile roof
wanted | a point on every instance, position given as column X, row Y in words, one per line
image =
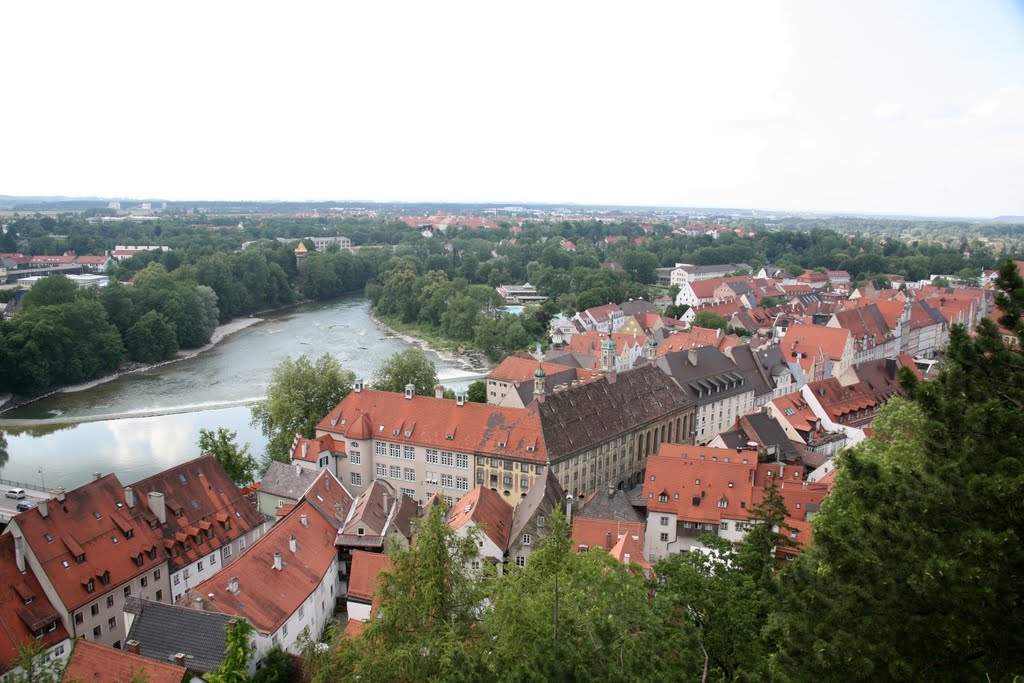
column 267, row 597
column 691, row 338
column 310, row 450
column 809, row 338
column 362, row 579
column 629, row 549
column 330, row 496
column 92, row 260
column 487, row 510
column 198, row 495
column 427, row 421
column 890, row 309
column 24, row 609
column 85, row 525
column 602, row 533
column 692, row 487
column 90, row 661
column 517, row 369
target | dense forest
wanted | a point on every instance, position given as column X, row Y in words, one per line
column 442, row 286
column 916, row 572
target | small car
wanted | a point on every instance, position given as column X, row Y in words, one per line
column 15, row 493
column 26, row 505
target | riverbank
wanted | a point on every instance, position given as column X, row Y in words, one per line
column 220, row 333
column 472, row 360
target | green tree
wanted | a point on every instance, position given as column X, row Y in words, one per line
column 477, row 391
column 278, row 667
column 235, row 459
column 237, row 653
column 710, row 319
column 50, row 291
column 33, row 665
column 410, row 366
column 151, row 339
column 299, row 395
column 428, row 604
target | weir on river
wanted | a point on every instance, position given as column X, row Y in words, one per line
column 141, row 423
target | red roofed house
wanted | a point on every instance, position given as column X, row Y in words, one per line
column 95, row 263
column 701, row 292
column 840, row 279
column 510, row 384
column 92, row 662
column 362, row 584
column 26, row 615
column 47, row 261
column 607, row 318
column 317, row 453
column 873, row 336
column 287, row 581
column 820, row 351
column 485, row 511
column 813, row 279
column 90, row 550
column 694, row 490
column 202, row 518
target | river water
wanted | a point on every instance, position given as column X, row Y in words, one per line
column 142, row 423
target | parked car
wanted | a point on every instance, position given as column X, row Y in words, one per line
column 26, row 505
column 15, row 493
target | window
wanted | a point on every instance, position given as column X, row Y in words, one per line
column 284, row 629
column 177, row 579
column 462, row 461
column 664, row 521
column 96, row 631
column 408, row 452
column 462, row 483
column 380, row 448
column 356, row 479
column 663, row 498
column 480, row 476
column 409, row 492
column 541, row 522
column 475, row 564
column 302, row 611
column 144, row 581
column 432, row 456
column 527, row 539
column 395, row 472
column 410, row 474
column 664, row 538
column 355, row 458
column 724, row 526
column 394, row 450
column 213, row 560
column 723, row 503
column 79, row 618
column 159, row 595
column 507, row 479
column 520, row 561
column 446, row 481
column 524, row 483
column 94, row 609
column 156, row 575
column 446, row 458
column 382, row 470
column 110, row 601
column 200, row 565
column 127, row 592
column 111, row 623
column 241, row 543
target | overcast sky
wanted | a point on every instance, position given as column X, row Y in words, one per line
column 880, row 106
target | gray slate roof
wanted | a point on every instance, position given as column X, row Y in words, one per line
column 164, row 630
column 578, row 419
column 281, row 480
column 705, row 374
column 617, row 507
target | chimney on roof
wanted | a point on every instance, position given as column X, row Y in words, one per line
column 410, row 391
column 199, row 602
column 277, row 561
column 233, row 585
column 179, row 659
column 460, row 399
column 611, row 490
column 129, row 496
column 439, row 391
column 60, row 494
column 304, row 520
column 298, row 468
column 44, row 508
column 357, row 386
column 305, row 449
column 132, row 646
column 156, row 506
column 691, row 356
column 96, row 476
column 19, row 552
column 292, row 544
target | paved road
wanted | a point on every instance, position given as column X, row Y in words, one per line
column 9, row 506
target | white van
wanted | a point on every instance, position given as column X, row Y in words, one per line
column 15, row 493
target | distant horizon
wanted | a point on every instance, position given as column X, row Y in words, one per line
column 497, row 204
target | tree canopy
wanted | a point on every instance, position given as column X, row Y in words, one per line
column 299, row 395
column 235, row 459
column 410, row 366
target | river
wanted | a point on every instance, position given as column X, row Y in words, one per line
column 141, row 423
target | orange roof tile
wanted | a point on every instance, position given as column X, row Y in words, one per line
column 90, row 661
column 808, row 338
column 517, row 369
column 362, row 580
column 24, row 609
column 310, row 450
column 690, row 481
column 428, row 421
column 267, row 597
column 602, row 533
column 84, row 526
column 629, row 549
column 487, row 510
